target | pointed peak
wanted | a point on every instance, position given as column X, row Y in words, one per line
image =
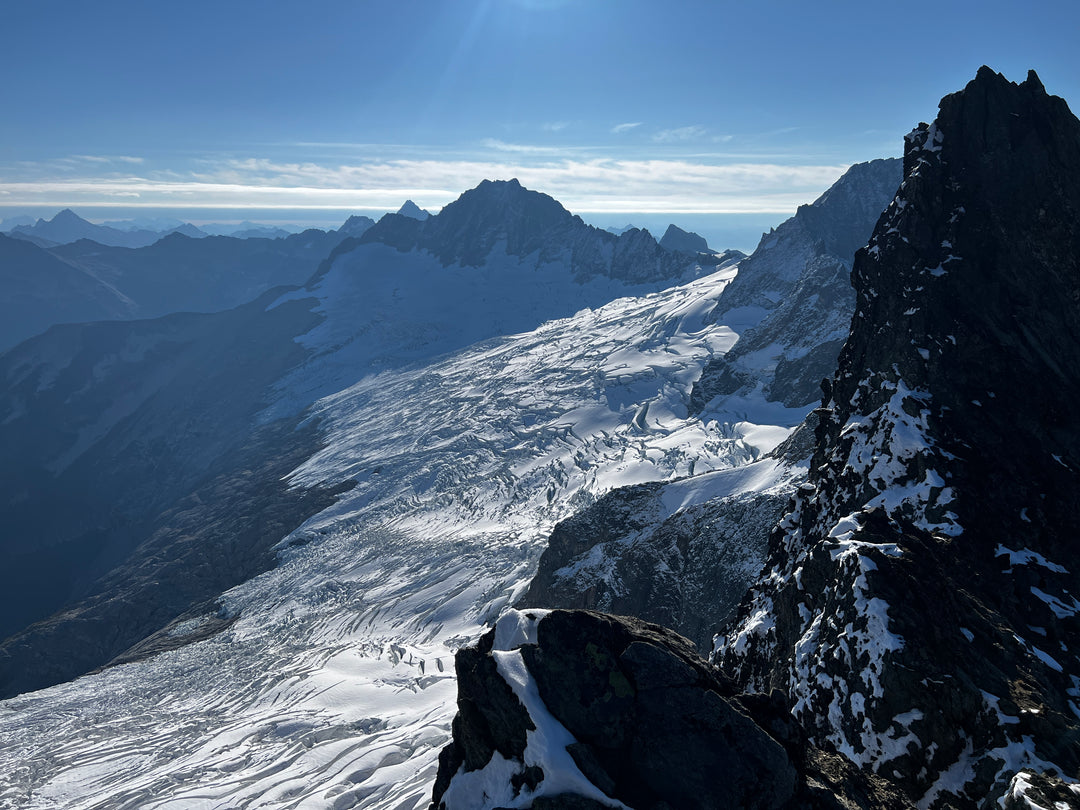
column 675, row 238
column 413, row 211
column 67, row 215
column 497, row 195
column 1034, row 82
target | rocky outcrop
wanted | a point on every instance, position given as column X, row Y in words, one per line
column 919, row 604
column 792, row 300
column 574, row 709
column 630, row 553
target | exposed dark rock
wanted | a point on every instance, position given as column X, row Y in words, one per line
column 687, row 571
column 656, row 727
column 918, row 603
column 1031, row 791
column 491, row 718
column 567, row 801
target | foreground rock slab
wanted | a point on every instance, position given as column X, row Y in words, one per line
column 576, row 709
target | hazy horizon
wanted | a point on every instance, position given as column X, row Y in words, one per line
column 721, row 231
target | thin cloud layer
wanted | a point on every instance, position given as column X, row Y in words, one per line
column 585, row 185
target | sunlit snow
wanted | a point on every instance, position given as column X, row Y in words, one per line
column 334, row 688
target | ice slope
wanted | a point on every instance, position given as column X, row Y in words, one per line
column 334, row 686
column 384, row 308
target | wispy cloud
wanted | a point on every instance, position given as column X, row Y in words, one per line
column 619, row 129
column 555, row 126
column 108, row 158
column 521, row 148
column 536, row 150
column 581, row 184
column 680, row 134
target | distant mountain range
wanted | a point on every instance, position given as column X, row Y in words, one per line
column 67, row 226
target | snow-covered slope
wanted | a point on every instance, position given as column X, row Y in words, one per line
column 333, row 686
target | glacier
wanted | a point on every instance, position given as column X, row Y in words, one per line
column 333, row 687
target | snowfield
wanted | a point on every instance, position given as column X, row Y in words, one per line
column 334, row 687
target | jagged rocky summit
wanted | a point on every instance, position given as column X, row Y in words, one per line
column 916, row 620
column 527, row 224
column 919, row 605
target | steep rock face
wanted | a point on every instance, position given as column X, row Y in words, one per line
column 573, row 709
column 792, row 300
column 919, row 604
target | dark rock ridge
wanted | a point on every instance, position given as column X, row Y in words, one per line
column 675, row 238
column 87, row 281
column 792, row 300
column 575, row 709
column 919, row 606
column 504, row 213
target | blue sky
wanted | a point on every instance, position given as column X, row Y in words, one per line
column 611, row 106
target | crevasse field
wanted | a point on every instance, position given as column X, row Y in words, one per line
column 335, row 687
